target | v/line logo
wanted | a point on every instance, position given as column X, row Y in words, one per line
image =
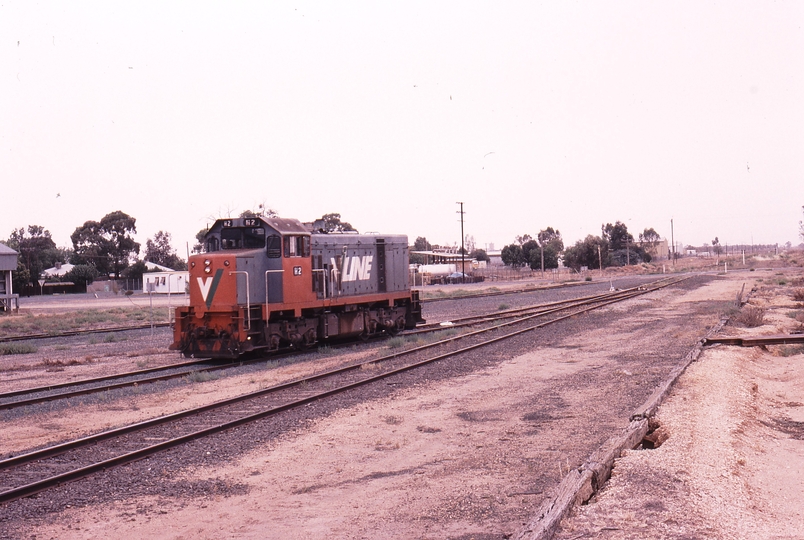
column 209, row 285
column 355, row 268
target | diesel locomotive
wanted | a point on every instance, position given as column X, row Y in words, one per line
column 269, row 283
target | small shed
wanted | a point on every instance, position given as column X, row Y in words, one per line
column 8, row 264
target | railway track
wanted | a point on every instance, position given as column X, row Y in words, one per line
column 70, row 333
column 35, row 471
column 534, row 288
column 88, row 386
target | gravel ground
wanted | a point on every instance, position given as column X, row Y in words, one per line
column 467, row 448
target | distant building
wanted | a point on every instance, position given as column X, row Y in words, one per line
column 57, row 271
column 173, row 282
column 8, row 264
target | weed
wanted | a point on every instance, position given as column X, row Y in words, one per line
column 395, row 342
column 386, row 445
column 503, row 307
column 325, row 350
column 16, row 348
column 113, row 338
column 588, row 278
column 798, row 295
column 449, row 332
column 49, row 362
column 201, row 376
column 790, row 350
column 782, row 282
column 142, row 364
column 392, row 420
column 751, row 316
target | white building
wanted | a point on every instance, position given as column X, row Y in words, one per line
column 172, row 282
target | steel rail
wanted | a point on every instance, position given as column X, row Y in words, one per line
column 97, row 389
column 41, row 485
column 512, row 291
column 83, row 331
column 512, row 312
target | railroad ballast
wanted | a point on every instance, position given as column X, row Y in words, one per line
column 268, row 283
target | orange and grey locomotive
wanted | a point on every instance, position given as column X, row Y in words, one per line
column 271, row 283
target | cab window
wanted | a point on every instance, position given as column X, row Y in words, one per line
column 232, row 239
column 274, row 248
column 297, row 246
column 254, row 238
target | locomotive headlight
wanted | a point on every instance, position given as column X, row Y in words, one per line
column 207, row 270
column 225, row 263
column 207, row 262
column 192, row 264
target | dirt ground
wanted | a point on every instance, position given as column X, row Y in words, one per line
column 733, row 463
column 404, row 466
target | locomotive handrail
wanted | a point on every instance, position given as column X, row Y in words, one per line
column 248, row 298
column 333, row 280
column 266, row 284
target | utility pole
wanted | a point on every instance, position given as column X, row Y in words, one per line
column 673, row 240
column 600, row 260
column 463, row 251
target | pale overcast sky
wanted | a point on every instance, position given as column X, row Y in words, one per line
column 562, row 114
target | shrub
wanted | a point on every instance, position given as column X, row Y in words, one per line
column 395, row 342
column 798, row 295
column 16, row 348
column 751, row 316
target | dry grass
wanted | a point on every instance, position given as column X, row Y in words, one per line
column 751, row 316
column 12, row 325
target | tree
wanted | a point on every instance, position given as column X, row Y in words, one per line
column 332, row 223
column 200, row 245
column 622, row 249
column 160, row 251
column 421, row 244
column 552, row 244
column 801, row 227
column 617, row 236
column 81, row 274
column 480, row 255
column 261, row 211
column 716, row 245
column 585, row 253
column 512, row 256
column 531, row 253
column 650, row 238
column 107, row 245
column 135, row 271
column 37, row 252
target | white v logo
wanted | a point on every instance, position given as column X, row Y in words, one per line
column 204, row 285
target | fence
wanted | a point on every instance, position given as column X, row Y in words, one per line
column 506, row 273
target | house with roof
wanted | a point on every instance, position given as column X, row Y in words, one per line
column 163, row 280
column 8, row 264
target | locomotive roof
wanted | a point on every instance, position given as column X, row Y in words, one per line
column 286, row 225
column 280, row 225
